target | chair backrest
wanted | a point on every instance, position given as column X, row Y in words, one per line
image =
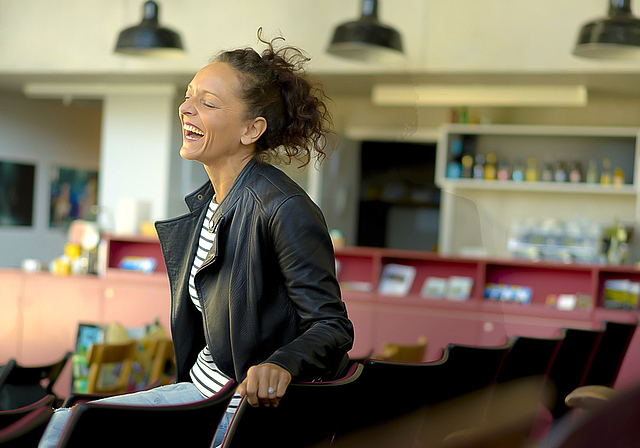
column 307, row 415
column 108, row 424
column 471, row 368
column 393, row 398
column 610, row 353
column 571, row 364
column 529, row 356
column 27, row 430
column 404, row 352
column 163, row 367
column 389, row 392
column 105, row 355
column 23, row 385
column 10, row 416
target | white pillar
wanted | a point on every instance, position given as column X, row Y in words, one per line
column 135, row 151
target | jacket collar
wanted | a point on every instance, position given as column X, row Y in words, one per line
column 203, row 195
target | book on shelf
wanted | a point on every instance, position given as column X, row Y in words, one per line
column 453, row 288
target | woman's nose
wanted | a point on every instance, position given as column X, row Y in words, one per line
column 185, row 108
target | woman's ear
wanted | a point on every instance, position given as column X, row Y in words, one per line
column 254, row 130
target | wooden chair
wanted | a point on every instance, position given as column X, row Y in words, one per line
column 404, row 353
column 571, row 364
column 13, row 415
column 101, row 356
column 615, row 424
column 163, row 366
column 307, row 415
column 108, row 424
column 590, row 397
column 24, row 385
column 27, row 430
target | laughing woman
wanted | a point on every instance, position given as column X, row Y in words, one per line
column 254, row 295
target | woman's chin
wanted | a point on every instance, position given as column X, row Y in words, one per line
column 187, row 154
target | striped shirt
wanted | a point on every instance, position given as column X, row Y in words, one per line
column 205, row 374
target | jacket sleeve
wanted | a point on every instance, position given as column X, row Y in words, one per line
column 305, row 255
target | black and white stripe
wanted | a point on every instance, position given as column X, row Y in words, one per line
column 205, row 374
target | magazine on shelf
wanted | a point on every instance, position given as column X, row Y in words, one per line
column 396, row 279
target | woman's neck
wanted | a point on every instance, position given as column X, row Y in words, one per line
column 223, row 176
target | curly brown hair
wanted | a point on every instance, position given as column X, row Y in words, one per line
column 276, row 87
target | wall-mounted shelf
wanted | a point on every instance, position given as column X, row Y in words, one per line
column 540, row 186
column 380, row 318
column 487, row 209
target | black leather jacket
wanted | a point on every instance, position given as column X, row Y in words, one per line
column 267, row 287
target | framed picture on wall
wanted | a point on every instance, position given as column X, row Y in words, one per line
column 16, row 193
column 74, row 195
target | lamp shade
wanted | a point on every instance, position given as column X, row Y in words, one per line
column 149, row 38
column 366, row 39
column 616, row 36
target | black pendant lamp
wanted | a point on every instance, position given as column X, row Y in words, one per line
column 616, row 36
column 149, row 38
column 367, row 39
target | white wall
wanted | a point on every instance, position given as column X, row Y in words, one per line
column 47, row 134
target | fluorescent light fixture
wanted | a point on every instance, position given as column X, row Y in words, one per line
column 487, row 95
column 95, row 90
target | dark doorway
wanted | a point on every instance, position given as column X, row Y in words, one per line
column 399, row 201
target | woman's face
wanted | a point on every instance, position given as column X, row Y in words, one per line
column 212, row 116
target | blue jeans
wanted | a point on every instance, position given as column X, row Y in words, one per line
column 172, row 394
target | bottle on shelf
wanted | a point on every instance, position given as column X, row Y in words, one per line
column 478, row 167
column 454, row 170
column 592, row 172
column 618, row 177
column 454, row 167
column 504, row 173
column 605, row 176
column 518, row 172
column 575, row 173
column 546, row 174
column 560, row 174
column 531, row 173
column 467, row 166
column 490, row 169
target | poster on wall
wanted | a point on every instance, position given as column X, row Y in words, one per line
column 74, row 195
column 16, row 193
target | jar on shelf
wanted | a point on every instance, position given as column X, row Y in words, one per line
column 531, row 173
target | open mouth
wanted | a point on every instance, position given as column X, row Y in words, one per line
column 192, row 133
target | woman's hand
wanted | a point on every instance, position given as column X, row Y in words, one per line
column 265, row 383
